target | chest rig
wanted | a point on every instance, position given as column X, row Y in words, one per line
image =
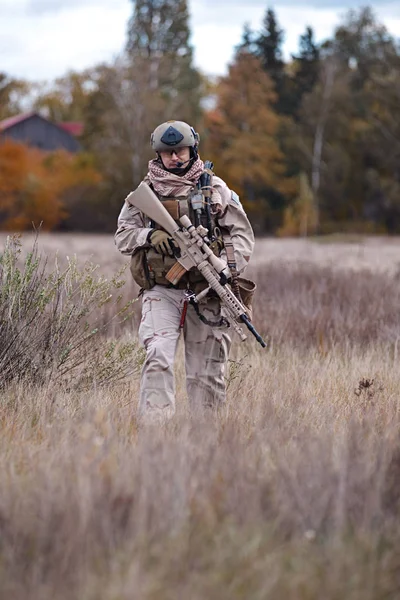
column 192, row 206
column 157, row 266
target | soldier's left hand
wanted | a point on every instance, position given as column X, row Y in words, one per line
column 162, row 243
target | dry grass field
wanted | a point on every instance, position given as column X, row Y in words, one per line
column 290, row 492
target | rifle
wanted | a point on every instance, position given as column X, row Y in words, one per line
column 194, row 251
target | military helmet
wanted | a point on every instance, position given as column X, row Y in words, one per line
column 173, row 134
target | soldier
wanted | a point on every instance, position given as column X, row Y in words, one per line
column 175, row 175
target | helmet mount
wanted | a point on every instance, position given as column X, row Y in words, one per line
column 172, row 137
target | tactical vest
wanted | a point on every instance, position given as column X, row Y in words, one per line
column 149, row 268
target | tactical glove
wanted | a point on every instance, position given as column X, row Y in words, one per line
column 162, row 242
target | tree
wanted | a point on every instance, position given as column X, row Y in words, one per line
column 307, row 65
column 381, row 155
column 12, row 94
column 269, row 50
column 241, row 136
column 363, row 45
column 301, row 217
column 348, row 127
column 158, row 27
column 269, row 45
column 121, row 116
column 33, row 183
column 158, row 43
column 248, row 42
column 354, row 108
column 67, row 98
column 329, row 136
column 153, row 81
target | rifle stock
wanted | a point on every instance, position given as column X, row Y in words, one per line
column 147, row 202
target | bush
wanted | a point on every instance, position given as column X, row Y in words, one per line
column 53, row 321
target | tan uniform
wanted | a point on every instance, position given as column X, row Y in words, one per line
column 206, row 347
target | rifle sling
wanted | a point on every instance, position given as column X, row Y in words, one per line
column 231, row 260
column 220, row 323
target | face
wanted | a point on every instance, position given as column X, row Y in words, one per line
column 170, row 158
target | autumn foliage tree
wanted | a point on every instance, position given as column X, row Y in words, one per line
column 242, row 134
column 33, row 184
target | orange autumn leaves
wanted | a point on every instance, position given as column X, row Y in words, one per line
column 243, row 130
column 32, row 184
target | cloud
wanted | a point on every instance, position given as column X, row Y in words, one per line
column 232, row 12
column 41, row 7
column 9, row 44
column 43, row 39
column 315, row 4
column 218, row 26
column 215, row 41
column 49, row 45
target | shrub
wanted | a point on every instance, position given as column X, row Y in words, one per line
column 53, row 321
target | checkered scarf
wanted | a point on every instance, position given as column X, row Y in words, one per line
column 169, row 184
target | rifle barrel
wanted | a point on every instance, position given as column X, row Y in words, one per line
column 253, row 330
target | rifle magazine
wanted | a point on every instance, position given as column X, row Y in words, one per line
column 175, row 273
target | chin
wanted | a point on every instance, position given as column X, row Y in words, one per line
column 176, row 170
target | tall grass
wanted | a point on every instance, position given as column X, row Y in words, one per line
column 290, row 491
column 311, row 305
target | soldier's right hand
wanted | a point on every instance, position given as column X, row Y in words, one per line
column 162, row 242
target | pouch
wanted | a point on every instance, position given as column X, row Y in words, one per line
column 247, row 289
column 140, row 271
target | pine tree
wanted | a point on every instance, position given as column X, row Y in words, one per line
column 307, row 65
column 269, row 50
column 270, row 44
column 248, row 42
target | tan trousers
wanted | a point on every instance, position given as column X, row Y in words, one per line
column 206, row 353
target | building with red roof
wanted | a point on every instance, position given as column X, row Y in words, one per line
column 37, row 131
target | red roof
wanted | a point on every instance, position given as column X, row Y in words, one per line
column 73, row 127
column 6, row 123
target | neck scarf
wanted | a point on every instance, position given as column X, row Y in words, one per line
column 169, row 184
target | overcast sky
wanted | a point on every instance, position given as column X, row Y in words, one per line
column 43, row 39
